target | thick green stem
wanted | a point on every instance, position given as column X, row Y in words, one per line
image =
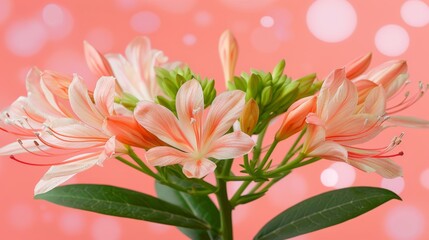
column 225, row 210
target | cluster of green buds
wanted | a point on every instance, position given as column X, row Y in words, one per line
column 273, row 92
column 171, row 80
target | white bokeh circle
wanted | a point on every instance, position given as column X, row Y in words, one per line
column 145, row 22
column 329, row 177
column 424, row 178
column 331, row 20
column 395, row 185
column 415, row 13
column 106, row 228
column 18, row 34
column 404, row 223
column 392, row 40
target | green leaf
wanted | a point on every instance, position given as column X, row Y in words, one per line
column 324, row 210
column 122, row 202
column 200, row 205
column 173, row 174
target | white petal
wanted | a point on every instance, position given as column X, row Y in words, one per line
column 199, row 168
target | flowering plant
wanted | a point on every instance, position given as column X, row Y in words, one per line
column 144, row 107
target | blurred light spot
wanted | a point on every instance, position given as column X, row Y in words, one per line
column 52, row 15
column 392, row 40
column 203, row 18
column 329, row 177
column 189, row 39
column 21, row 216
column 331, row 20
column 424, row 178
column 264, row 40
column 290, row 190
column 415, row 13
column 247, row 5
column 101, row 39
column 266, row 21
column 25, row 38
column 346, row 174
column 283, row 23
column 71, row 223
column 5, row 9
column 58, row 21
column 106, row 228
column 145, row 22
column 395, row 185
column 405, row 222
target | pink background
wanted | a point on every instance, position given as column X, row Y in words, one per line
column 49, row 34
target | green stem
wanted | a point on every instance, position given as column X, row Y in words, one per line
column 123, row 160
column 287, row 167
column 292, row 149
column 268, row 154
column 236, row 178
column 258, row 147
column 225, row 210
column 143, row 166
column 240, row 190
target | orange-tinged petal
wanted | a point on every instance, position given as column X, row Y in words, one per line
column 358, row 66
column 104, row 95
column 383, row 166
column 163, row 156
column 162, row 123
column 128, row 131
column 224, row 111
column 407, row 121
column 330, row 150
column 231, row 145
column 199, row 168
column 190, row 108
column 82, row 105
column 97, row 63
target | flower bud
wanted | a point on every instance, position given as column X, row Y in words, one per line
column 128, row 131
column 294, row 119
column 228, row 51
column 249, row 117
column 358, row 66
column 391, row 75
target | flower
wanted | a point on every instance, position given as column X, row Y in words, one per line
column 193, row 138
column 228, row 52
column 135, row 73
column 78, row 128
column 339, row 123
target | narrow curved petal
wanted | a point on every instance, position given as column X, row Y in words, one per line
column 375, row 103
column 162, row 123
column 342, row 104
column 96, row 61
column 383, row 166
column 190, row 108
column 163, row 156
column 199, row 168
column 57, row 175
column 231, row 145
column 331, row 151
column 104, row 95
column 358, row 66
column 224, row 111
column 108, row 151
column 82, row 105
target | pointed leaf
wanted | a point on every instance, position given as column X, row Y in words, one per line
column 200, row 205
column 122, row 202
column 324, row 210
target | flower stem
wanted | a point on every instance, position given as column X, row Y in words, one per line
column 225, row 210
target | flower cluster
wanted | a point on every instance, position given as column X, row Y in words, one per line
column 143, row 101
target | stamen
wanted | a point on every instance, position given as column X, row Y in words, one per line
column 29, row 151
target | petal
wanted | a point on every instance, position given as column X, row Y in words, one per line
column 358, row 66
column 231, row 145
column 57, row 175
column 162, row 123
column 163, row 156
column 104, row 94
column 331, row 151
column 22, row 146
column 315, row 135
column 375, row 103
column 190, row 108
column 384, row 167
column 342, row 104
column 82, row 105
column 224, row 111
column 228, row 52
column 108, row 151
column 96, row 61
column 199, row 168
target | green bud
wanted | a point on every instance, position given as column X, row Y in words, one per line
column 266, row 95
column 305, row 84
column 252, row 86
column 240, row 83
column 128, row 101
column 278, row 70
column 165, row 102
